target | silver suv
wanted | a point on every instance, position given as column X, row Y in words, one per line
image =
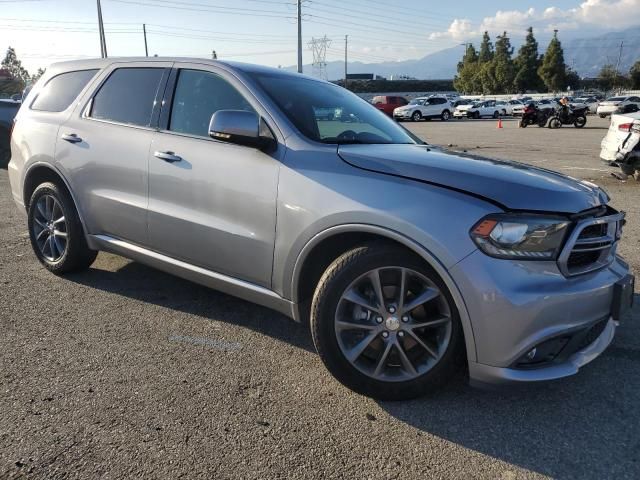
column 404, row 258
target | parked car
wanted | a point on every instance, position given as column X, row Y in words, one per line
column 517, row 109
column 388, row 103
column 461, row 108
column 425, row 108
column 621, row 125
column 547, row 104
column 622, row 104
column 591, row 103
column 510, row 105
column 8, row 110
column 483, row 109
column 402, row 257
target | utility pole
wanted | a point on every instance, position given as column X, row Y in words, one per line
column 299, row 36
column 103, row 41
column 615, row 79
column 146, row 49
column 346, row 43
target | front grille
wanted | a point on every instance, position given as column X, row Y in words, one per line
column 592, row 244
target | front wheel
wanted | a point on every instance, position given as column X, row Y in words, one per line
column 523, row 124
column 476, row 115
column 416, row 117
column 555, row 122
column 384, row 323
column 602, row 116
column 55, row 230
column 580, row 121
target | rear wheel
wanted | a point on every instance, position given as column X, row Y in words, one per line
column 416, row 116
column 446, row 115
column 384, row 323
column 55, row 230
column 496, row 114
column 602, row 116
column 580, row 121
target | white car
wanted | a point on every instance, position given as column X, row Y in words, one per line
column 484, row 109
column 461, row 110
column 425, row 107
column 590, row 102
column 517, row 108
column 621, row 126
column 617, row 104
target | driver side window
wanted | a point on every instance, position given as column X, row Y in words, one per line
column 198, row 95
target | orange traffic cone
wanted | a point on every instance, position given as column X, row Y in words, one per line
column 499, row 123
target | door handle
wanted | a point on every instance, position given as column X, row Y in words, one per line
column 71, row 138
column 170, row 157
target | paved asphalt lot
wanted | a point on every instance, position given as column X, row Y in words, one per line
column 123, row 371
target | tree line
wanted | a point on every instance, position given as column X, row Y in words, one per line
column 19, row 76
column 493, row 70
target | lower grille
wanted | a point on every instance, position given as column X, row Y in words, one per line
column 592, row 335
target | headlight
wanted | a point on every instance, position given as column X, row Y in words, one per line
column 523, row 237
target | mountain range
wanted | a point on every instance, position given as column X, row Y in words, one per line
column 585, row 55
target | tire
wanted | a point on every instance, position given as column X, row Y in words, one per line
column 580, row 121
column 602, row 116
column 416, row 116
column 503, row 113
column 66, row 251
column 555, row 122
column 496, row 114
column 523, row 124
column 446, row 115
column 476, row 115
column 328, row 335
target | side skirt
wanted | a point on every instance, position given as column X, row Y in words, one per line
column 229, row 285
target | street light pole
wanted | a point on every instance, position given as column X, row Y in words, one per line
column 346, row 43
column 103, row 42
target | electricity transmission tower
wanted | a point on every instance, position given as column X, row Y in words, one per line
column 318, row 47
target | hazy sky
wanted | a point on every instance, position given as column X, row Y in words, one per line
column 264, row 31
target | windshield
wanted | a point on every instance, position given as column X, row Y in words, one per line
column 616, row 99
column 330, row 114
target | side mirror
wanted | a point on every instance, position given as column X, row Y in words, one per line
column 242, row 128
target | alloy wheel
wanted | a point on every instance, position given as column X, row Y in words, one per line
column 393, row 324
column 50, row 228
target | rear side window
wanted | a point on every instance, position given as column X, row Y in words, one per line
column 128, row 96
column 197, row 97
column 60, row 91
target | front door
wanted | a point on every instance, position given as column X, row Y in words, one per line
column 212, row 204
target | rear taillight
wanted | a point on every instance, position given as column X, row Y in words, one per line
column 625, row 127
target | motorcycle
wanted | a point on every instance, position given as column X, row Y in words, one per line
column 569, row 116
column 533, row 115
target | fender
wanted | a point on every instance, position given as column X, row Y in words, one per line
column 57, row 171
column 420, row 250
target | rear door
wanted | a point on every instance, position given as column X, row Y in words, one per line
column 215, row 207
column 104, row 148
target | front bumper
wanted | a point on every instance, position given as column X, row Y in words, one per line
column 515, row 306
column 404, row 115
column 607, row 109
column 460, row 114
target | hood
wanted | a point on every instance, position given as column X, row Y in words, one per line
column 511, row 185
column 464, row 107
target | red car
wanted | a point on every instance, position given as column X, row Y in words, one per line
column 388, row 103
